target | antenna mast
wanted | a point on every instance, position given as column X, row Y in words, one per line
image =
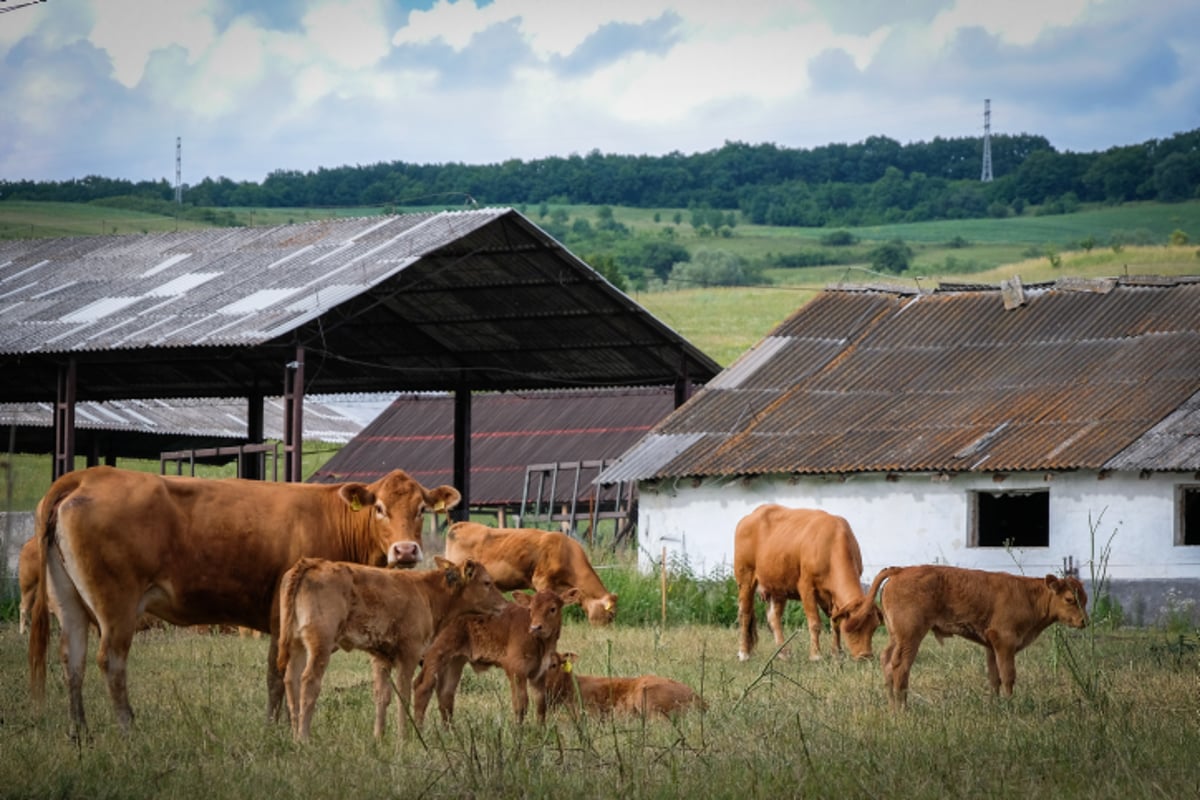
column 179, row 170
column 987, row 141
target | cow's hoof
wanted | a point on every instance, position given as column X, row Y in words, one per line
column 743, row 656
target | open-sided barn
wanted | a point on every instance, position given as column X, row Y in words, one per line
column 467, row 301
column 1030, row 429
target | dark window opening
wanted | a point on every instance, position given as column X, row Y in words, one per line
column 1188, row 518
column 1011, row 519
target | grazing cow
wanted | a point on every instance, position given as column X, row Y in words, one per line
column 526, row 558
column 806, row 555
column 641, row 695
column 1005, row 613
column 392, row 615
column 520, row 640
column 196, row 551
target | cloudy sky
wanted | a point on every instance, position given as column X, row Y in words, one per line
column 104, row 87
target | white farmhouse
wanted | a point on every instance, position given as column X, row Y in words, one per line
column 1034, row 429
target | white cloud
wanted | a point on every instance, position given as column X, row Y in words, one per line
column 130, row 30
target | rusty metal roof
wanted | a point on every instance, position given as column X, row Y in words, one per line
column 482, row 300
column 510, row 431
column 1079, row 374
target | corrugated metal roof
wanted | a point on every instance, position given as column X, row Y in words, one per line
column 326, row 418
column 480, row 299
column 510, row 431
column 1084, row 374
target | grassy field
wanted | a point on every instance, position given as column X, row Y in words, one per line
column 774, row 728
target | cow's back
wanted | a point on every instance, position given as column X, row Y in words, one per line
column 511, row 555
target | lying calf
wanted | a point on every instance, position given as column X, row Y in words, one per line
column 642, row 695
column 1005, row 613
column 520, row 640
column 391, row 614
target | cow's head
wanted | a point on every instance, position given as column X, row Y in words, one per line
column 472, row 585
column 559, row 686
column 601, row 610
column 545, row 610
column 397, row 504
column 857, row 620
column 1068, row 601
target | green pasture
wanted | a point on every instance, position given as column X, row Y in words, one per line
column 774, row 728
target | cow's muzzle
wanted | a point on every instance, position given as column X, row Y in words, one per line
column 404, row 554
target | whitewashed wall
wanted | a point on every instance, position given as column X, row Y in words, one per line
column 918, row 519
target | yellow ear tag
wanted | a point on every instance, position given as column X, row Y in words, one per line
column 607, row 606
column 567, row 667
column 355, row 505
column 441, row 504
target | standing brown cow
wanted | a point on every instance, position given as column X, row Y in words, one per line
column 1005, row 613
column 527, row 558
column 192, row 551
column 806, row 555
column 392, row 615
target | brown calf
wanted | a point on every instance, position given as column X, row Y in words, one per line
column 527, row 558
column 390, row 614
column 807, row 555
column 641, row 695
column 1004, row 613
column 520, row 640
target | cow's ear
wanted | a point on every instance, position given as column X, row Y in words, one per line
column 449, row 569
column 1053, row 582
column 469, row 568
column 442, row 498
column 356, row 495
column 522, row 599
column 572, row 596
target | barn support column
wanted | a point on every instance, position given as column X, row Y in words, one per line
column 293, row 417
column 64, row 420
column 462, row 452
column 251, row 465
column 683, row 383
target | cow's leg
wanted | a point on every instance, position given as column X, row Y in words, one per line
column 775, row 606
column 381, row 689
column 747, row 624
column 310, row 681
column 538, row 689
column 520, row 695
column 447, row 687
column 297, row 663
column 812, row 612
column 423, row 686
column 885, row 661
column 404, row 682
column 73, row 642
column 112, row 656
column 275, row 689
column 902, row 656
column 1002, row 667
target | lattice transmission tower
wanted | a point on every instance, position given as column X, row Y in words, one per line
column 178, row 170
column 987, row 141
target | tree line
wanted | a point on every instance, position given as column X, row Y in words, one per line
column 876, row 181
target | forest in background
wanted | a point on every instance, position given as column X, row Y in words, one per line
column 875, row 181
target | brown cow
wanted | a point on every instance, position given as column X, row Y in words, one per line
column 520, row 640
column 392, row 615
column 806, row 555
column 1005, row 613
column 196, row 551
column 640, row 695
column 526, row 558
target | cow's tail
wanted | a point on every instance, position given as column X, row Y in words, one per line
column 861, row 612
column 45, row 532
column 288, row 589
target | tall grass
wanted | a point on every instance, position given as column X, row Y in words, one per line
column 774, row 728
